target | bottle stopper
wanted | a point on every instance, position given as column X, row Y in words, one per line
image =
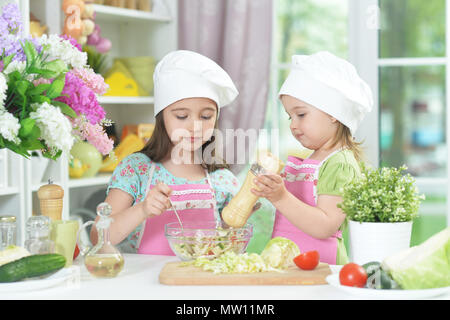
column 51, row 200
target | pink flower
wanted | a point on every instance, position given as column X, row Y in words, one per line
column 94, row 134
column 81, row 99
column 94, row 81
column 143, row 168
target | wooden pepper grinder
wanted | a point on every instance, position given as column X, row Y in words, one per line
column 238, row 210
column 51, row 200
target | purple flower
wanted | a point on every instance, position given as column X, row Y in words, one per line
column 11, row 39
column 11, row 20
column 12, row 45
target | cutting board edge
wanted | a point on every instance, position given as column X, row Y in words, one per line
column 238, row 279
column 226, row 282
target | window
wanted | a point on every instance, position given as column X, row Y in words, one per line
column 302, row 27
column 405, row 59
column 412, row 86
column 401, row 48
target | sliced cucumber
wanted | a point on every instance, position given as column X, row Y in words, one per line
column 371, row 267
column 381, row 280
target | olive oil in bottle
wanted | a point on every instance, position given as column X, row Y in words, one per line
column 103, row 260
column 104, row 265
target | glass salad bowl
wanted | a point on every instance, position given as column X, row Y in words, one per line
column 206, row 239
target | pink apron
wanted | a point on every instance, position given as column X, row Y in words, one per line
column 301, row 181
column 193, row 202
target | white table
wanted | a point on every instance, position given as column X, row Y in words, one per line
column 139, row 280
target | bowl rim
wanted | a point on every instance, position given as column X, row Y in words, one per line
column 171, row 225
column 248, row 227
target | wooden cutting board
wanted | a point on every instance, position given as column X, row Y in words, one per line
column 174, row 274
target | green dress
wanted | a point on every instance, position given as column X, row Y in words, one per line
column 336, row 172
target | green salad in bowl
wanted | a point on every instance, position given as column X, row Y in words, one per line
column 206, row 239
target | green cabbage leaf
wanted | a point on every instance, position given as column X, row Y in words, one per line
column 12, row 253
column 424, row 266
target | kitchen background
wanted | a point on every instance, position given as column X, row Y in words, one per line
column 401, row 48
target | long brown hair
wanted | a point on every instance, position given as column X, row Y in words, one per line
column 160, row 145
column 344, row 136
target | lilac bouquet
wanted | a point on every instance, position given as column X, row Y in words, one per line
column 48, row 93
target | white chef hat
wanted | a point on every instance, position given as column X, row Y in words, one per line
column 330, row 84
column 186, row 74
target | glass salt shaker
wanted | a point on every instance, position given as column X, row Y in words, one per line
column 38, row 235
column 7, row 231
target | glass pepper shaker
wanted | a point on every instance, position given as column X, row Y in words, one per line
column 7, row 231
column 38, row 235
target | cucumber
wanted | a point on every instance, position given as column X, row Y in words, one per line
column 381, row 280
column 371, row 268
column 31, row 266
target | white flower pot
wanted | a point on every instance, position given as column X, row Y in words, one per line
column 374, row 241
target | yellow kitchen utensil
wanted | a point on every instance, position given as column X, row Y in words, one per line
column 77, row 168
column 121, row 82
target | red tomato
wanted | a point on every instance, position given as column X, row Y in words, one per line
column 307, row 260
column 353, row 275
column 76, row 252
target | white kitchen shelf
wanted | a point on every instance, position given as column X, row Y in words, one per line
column 125, row 100
column 133, row 33
column 8, row 191
column 98, row 180
column 109, row 13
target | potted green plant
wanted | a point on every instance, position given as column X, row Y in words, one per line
column 380, row 209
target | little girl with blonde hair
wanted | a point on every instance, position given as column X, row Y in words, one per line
column 326, row 101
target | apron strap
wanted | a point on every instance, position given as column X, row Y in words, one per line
column 149, row 183
column 213, row 194
column 338, row 234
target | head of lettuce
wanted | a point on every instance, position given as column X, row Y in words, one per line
column 424, row 266
column 279, row 253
